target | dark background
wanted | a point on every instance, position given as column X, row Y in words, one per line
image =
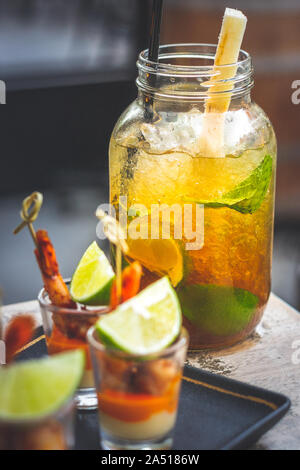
column 69, row 67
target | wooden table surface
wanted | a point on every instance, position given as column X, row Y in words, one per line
column 270, row 359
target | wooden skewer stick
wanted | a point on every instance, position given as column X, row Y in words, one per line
column 31, row 206
column 116, row 236
column 30, row 210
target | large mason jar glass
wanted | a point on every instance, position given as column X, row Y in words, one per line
column 193, row 151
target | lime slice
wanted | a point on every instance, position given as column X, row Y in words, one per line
column 145, row 324
column 161, row 256
column 158, row 253
column 218, row 310
column 36, row 388
column 92, row 280
column 247, row 196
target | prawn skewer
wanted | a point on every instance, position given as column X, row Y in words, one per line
column 53, row 282
column 45, row 254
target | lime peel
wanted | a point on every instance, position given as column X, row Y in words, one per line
column 34, row 389
column 219, row 310
column 145, row 324
column 93, row 278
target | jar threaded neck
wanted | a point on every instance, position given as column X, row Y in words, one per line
column 186, row 71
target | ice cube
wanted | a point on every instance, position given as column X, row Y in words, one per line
column 237, row 132
column 181, row 133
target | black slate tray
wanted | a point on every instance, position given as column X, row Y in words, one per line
column 215, row 412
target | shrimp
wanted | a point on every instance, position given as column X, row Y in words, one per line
column 44, row 252
column 131, row 279
column 73, row 326
column 53, row 282
column 18, row 332
column 65, row 321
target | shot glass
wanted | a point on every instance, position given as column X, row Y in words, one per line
column 137, row 395
column 66, row 329
column 54, row 432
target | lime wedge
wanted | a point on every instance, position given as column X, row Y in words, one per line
column 36, row 388
column 145, row 324
column 247, row 196
column 92, row 280
column 218, row 310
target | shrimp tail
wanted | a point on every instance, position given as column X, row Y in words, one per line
column 53, row 282
column 18, row 333
column 131, row 280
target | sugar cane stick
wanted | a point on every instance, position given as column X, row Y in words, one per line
column 229, row 44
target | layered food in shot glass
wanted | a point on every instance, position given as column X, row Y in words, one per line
column 68, row 313
column 138, row 352
column 69, row 309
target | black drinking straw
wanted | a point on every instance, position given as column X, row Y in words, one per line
column 153, row 50
column 155, row 30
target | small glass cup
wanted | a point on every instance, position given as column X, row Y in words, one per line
column 54, row 432
column 66, row 329
column 137, row 395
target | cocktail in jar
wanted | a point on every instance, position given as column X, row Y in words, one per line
column 203, row 161
column 138, row 352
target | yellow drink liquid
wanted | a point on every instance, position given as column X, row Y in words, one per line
column 224, row 286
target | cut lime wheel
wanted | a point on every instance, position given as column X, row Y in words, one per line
column 37, row 388
column 161, row 256
column 92, row 280
column 145, row 324
column 155, row 247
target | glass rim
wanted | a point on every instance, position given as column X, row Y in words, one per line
column 66, row 407
column 66, row 310
column 182, row 340
column 189, row 51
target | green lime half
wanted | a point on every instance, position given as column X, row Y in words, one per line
column 92, row 280
column 219, row 310
column 36, row 388
column 145, row 324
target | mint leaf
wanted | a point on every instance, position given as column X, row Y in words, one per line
column 247, row 196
